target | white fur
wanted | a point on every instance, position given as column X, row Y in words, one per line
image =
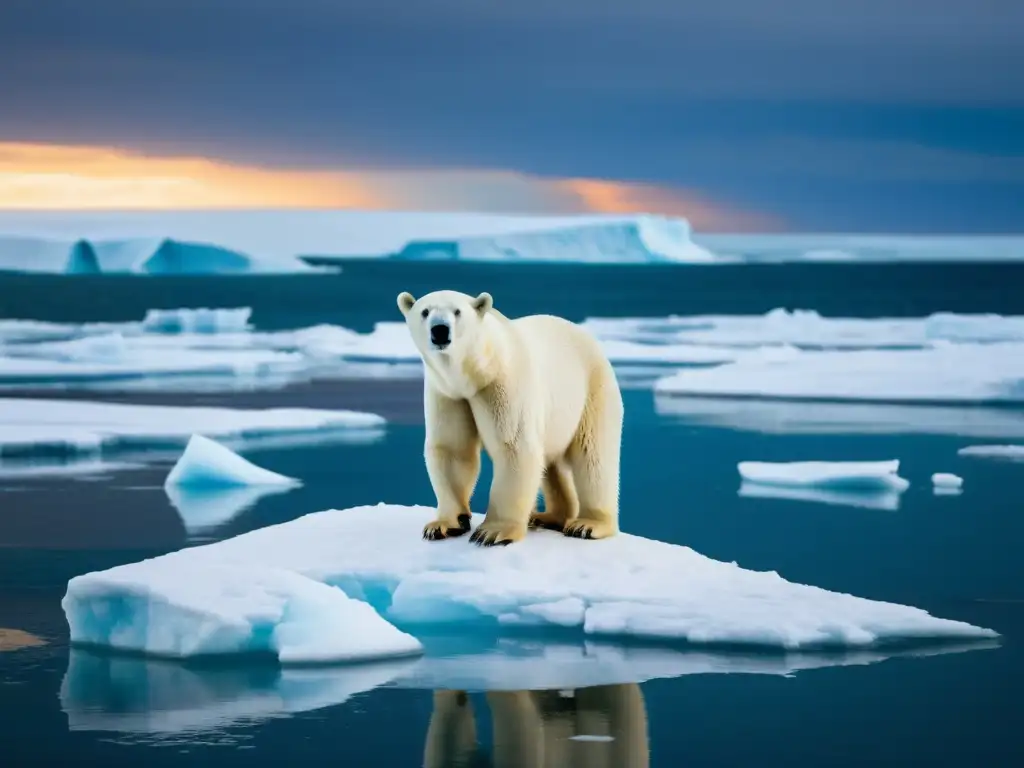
column 541, row 397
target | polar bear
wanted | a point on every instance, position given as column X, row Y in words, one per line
column 541, row 397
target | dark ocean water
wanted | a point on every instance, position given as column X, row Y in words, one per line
column 956, row 556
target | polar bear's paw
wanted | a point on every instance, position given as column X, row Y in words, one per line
column 443, row 529
column 548, row 521
column 497, row 533
column 588, row 528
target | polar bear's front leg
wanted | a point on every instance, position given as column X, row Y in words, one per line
column 517, row 476
column 452, row 454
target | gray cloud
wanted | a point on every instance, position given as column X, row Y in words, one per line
column 696, row 94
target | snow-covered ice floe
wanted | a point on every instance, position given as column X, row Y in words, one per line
column 845, row 418
column 30, row 426
column 210, row 485
column 807, row 329
column 133, row 695
column 291, row 590
column 846, row 475
column 954, row 373
column 1007, row 452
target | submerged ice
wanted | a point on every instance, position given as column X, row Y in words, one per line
column 270, row 590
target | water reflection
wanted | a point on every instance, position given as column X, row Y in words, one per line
column 883, row 499
column 593, row 727
column 156, row 700
column 203, row 510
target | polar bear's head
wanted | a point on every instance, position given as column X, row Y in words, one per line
column 444, row 322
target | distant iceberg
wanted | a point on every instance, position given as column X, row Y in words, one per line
column 640, row 239
column 238, row 242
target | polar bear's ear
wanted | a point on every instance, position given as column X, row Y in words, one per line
column 483, row 303
column 405, row 302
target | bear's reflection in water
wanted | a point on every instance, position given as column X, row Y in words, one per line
column 600, row 727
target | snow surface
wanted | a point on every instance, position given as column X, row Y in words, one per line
column 845, row 475
column 1011, row 452
column 77, row 426
column 104, row 692
column 943, row 374
column 237, row 594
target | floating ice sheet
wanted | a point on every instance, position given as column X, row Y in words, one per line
column 623, row 586
column 78, row 426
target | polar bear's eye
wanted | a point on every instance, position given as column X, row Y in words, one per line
column 458, row 312
column 425, row 312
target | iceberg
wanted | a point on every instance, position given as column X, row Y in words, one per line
column 837, row 475
column 249, row 592
column 210, row 485
column 174, row 242
column 953, row 373
column 641, row 239
column 28, row 254
column 1009, row 452
column 208, row 464
column 30, row 426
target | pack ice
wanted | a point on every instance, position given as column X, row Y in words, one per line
column 346, row 584
column 77, row 426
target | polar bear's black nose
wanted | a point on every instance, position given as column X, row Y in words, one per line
column 441, row 335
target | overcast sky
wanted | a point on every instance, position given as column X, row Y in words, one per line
column 883, row 115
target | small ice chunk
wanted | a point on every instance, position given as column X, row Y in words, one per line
column 946, row 480
column 591, row 737
column 206, row 463
column 848, row 475
column 1008, row 452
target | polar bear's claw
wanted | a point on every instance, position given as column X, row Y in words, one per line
column 439, row 529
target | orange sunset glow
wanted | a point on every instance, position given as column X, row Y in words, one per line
column 50, row 177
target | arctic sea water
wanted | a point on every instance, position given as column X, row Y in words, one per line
column 956, row 556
